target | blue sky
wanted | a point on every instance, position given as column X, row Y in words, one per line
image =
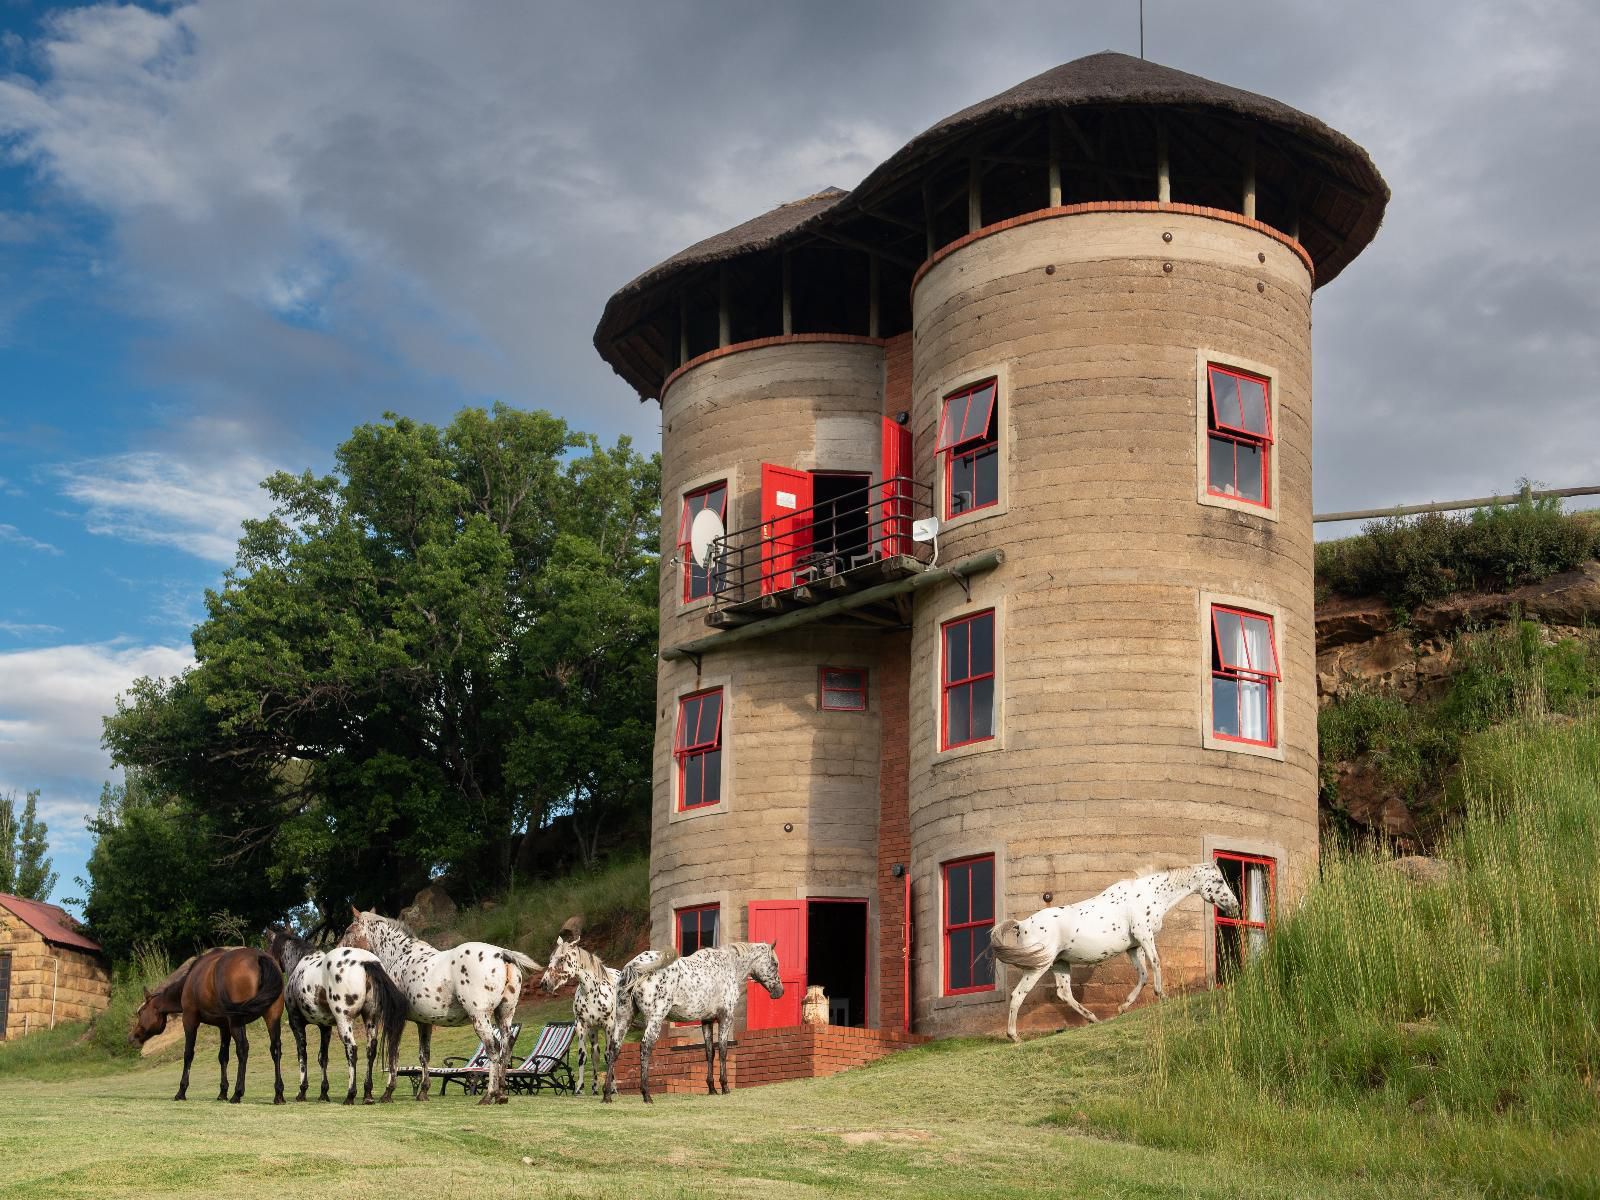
column 231, row 231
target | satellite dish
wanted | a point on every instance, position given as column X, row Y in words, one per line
column 925, row 530
column 704, row 531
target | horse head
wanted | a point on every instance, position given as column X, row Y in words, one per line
column 148, row 1021
column 763, row 968
column 359, row 935
column 563, row 965
column 1214, row 889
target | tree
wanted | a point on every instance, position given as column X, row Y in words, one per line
column 419, row 661
column 24, row 849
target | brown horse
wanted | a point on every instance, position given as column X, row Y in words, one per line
column 228, row 987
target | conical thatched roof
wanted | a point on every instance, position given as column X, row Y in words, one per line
column 1350, row 194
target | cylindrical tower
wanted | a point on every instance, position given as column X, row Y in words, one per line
column 1070, row 326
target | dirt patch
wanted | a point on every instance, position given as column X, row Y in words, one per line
column 865, row 1137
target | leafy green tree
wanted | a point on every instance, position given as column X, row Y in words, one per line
column 24, row 849
column 420, row 661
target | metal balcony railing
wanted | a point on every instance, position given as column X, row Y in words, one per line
column 847, row 539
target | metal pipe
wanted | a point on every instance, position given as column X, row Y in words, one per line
column 1411, row 510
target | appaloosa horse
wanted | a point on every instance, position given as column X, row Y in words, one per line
column 595, row 998
column 1126, row 917
column 228, row 987
column 473, row 983
column 704, row 987
column 332, row 989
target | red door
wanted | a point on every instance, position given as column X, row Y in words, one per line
column 783, row 923
column 786, row 522
column 895, row 531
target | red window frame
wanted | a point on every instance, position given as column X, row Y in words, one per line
column 842, row 687
column 1267, row 675
column 1220, row 920
column 954, row 447
column 685, row 519
column 1221, row 428
column 699, row 913
column 949, row 926
column 948, row 685
column 685, row 749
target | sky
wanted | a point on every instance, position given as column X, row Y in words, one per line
column 232, row 230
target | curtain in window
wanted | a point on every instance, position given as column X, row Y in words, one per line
column 1255, row 905
column 1254, row 646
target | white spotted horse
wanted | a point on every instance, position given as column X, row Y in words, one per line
column 706, row 987
column 332, row 989
column 593, row 1001
column 1125, row 918
column 471, row 984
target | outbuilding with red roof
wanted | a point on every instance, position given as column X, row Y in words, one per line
column 49, row 971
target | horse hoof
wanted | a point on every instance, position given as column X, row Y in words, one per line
column 349, row 1101
column 279, row 1100
column 236, row 1100
column 503, row 1100
column 180, row 1096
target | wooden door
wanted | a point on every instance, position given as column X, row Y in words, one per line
column 786, row 520
column 895, row 516
column 783, row 923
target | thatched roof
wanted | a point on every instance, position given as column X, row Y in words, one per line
column 1350, row 195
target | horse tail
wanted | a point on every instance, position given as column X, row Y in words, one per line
column 269, row 987
column 522, row 960
column 647, row 962
column 1004, row 943
column 393, row 1008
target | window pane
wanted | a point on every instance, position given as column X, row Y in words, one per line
column 1255, row 893
column 1224, row 706
column 1224, row 398
column 982, row 635
column 1227, row 951
column 1230, row 647
column 955, row 652
column 688, row 716
column 708, row 926
column 687, row 932
column 1253, row 405
column 1254, row 722
column 962, row 486
column 1250, row 474
column 1220, row 468
column 842, row 700
column 980, row 409
column 713, row 775
column 961, row 958
column 693, row 779
column 710, row 716
column 982, row 703
column 950, row 422
column 958, row 895
column 958, row 714
column 983, row 961
column 1257, row 637
column 982, row 890
column 986, row 476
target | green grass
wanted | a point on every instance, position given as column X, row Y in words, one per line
column 1457, row 1023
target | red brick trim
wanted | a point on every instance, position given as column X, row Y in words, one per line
column 786, row 339
column 1103, row 206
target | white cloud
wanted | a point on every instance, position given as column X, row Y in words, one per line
column 190, row 502
column 22, row 629
column 15, row 536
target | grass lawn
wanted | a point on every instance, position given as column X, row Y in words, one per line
column 956, row 1118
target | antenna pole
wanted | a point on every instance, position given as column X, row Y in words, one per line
column 1141, row 28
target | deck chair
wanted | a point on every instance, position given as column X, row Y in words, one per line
column 547, row 1066
column 470, row 1073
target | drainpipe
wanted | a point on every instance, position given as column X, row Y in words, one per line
column 55, row 984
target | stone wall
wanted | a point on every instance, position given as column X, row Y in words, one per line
column 49, row 983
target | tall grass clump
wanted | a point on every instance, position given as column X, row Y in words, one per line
column 1474, row 997
column 614, row 900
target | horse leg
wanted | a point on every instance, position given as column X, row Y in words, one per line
column 1136, row 957
column 1147, row 943
column 391, row 1064
column 595, row 1034
column 1064, row 983
column 424, row 1049
column 708, row 1032
column 652, row 1031
column 347, row 1035
column 275, row 1048
column 222, row 1060
column 242, row 1044
column 191, row 1029
column 583, row 1034
column 297, row 1026
column 616, row 1033
column 322, row 1059
column 1018, row 995
column 372, row 1053
column 494, row 1045
column 724, row 1035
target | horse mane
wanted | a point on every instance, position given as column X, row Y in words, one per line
column 176, row 978
column 591, row 965
column 405, row 930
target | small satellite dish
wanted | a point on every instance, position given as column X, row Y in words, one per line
column 704, row 530
column 925, row 530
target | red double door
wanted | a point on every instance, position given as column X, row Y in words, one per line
column 788, row 516
column 783, row 923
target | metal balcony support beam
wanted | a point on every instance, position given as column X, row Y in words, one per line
column 959, row 572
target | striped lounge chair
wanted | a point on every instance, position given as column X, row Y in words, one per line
column 470, row 1073
column 547, row 1066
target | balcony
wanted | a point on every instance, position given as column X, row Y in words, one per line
column 801, row 558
